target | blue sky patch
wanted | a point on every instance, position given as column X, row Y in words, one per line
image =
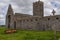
column 55, row 4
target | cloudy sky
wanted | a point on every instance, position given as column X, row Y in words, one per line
column 25, row 6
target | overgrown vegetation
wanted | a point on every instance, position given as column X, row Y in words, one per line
column 28, row 35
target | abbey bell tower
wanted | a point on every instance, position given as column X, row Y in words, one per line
column 38, row 8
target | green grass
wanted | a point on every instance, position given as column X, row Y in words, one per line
column 28, row 35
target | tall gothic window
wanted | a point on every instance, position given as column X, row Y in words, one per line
column 9, row 20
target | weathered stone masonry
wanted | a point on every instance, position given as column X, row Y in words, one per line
column 37, row 21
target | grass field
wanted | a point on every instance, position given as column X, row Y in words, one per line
column 28, row 35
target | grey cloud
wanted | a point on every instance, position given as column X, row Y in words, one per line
column 2, row 22
column 25, row 6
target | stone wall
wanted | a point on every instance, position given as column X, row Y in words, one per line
column 45, row 23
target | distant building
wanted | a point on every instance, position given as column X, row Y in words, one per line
column 37, row 21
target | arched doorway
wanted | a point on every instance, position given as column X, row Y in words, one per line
column 9, row 20
column 14, row 25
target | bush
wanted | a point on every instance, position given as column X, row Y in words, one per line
column 10, row 31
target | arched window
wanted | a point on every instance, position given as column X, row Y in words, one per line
column 57, row 18
column 48, row 18
column 36, row 20
column 31, row 20
column 14, row 25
